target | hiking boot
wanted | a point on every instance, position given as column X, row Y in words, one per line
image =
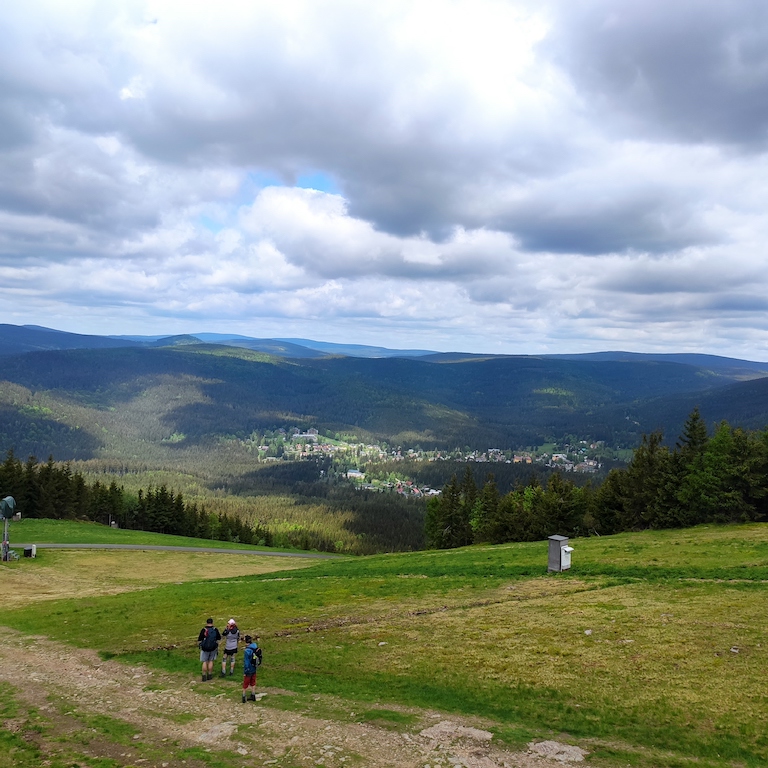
column 243, row 698
column 223, row 674
column 210, row 677
column 252, row 697
column 204, row 678
column 231, row 672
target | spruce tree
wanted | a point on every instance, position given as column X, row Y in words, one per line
column 693, row 439
column 485, row 514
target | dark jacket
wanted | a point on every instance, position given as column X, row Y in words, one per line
column 202, row 636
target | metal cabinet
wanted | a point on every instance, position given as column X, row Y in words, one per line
column 559, row 554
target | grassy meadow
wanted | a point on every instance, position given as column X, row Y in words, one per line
column 42, row 531
column 650, row 651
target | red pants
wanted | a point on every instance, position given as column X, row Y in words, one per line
column 249, row 681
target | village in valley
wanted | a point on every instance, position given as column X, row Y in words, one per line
column 356, row 460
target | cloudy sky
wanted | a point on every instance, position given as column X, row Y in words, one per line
column 479, row 175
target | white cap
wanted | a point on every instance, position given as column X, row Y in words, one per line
column 231, row 621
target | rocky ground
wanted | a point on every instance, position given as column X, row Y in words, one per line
column 142, row 717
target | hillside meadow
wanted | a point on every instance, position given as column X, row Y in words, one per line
column 650, row 650
column 43, row 531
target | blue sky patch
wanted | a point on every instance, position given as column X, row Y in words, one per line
column 318, row 180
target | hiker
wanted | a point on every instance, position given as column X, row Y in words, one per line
column 208, row 641
column 231, row 637
column 251, row 662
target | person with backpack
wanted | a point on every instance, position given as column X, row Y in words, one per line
column 231, row 637
column 251, row 662
column 208, row 641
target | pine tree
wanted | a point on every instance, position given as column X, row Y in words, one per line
column 447, row 522
column 693, row 439
column 609, row 503
column 468, row 495
column 646, row 482
column 485, row 513
column 561, row 509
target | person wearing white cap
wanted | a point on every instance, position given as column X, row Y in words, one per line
column 231, row 637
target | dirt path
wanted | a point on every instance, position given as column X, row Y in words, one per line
column 167, row 548
column 170, row 715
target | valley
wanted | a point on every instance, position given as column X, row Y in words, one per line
column 339, row 452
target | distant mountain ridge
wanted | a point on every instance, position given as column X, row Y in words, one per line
column 714, row 362
column 20, row 339
column 143, row 400
column 16, row 339
column 79, row 396
column 357, row 350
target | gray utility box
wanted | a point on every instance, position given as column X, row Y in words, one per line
column 559, row 554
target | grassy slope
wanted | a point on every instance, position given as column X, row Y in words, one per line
column 653, row 639
column 67, row 532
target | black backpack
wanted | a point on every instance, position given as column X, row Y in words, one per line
column 210, row 642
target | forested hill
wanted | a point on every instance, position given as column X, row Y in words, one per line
column 744, row 404
column 15, row 339
column 746, row 369
column 103, row 402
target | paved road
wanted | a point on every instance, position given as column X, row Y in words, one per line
column 164, row 548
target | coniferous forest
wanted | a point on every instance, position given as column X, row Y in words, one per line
column 722, row 478
column 703, row 478
column 54, row 491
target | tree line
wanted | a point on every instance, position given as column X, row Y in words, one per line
column 50, row 490
column 722, row 478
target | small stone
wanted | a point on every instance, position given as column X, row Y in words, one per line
column 382, row 643
column 554, row 750
column 587, row 631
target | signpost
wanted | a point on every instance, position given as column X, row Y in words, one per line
column 7, row 507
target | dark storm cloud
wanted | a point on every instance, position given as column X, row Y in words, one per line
column 740, row 303
column 637, row 221
column 684, row 70
column 647, row 281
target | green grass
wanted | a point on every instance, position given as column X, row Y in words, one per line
column 38, row 531
column 386, row 718
column 633, row 646
column 16, row 752
column 32, row 740
column 117, row 731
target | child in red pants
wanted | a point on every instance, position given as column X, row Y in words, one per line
column 251, row 662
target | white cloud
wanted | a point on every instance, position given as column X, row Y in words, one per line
column 509, row 176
